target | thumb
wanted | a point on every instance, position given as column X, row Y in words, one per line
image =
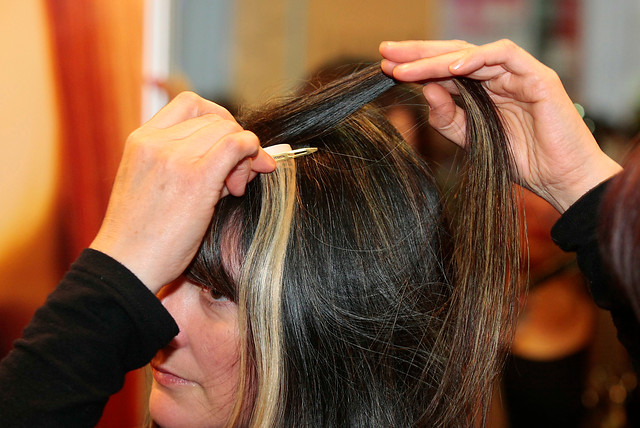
column 238, row 178
column 444, row 115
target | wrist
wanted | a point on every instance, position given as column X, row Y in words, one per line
column 577, row 183
column 129, row 259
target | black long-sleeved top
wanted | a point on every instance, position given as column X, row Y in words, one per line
column 99, row 323
column 576, row 231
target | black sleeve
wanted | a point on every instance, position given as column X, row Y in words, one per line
column 98, row 324
column 577, row 230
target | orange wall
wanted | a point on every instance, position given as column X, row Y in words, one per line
column 28, row 162
column 66, row 106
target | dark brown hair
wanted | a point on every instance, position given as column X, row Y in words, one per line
column 366, row 303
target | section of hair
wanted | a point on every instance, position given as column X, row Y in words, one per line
column 486, row 262
column 363, row 302
column 260, row 290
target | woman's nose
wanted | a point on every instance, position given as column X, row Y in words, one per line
column 179, row 341
column 175, row 299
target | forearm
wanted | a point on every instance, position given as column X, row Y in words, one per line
column 99, row 323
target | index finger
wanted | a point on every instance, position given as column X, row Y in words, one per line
column 503, row 53
column 423, row 69
column 186, row 105
column 411, row 50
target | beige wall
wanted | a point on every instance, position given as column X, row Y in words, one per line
column 355, row 28
column 28, row 159
column 260, row 47
column 278, row 42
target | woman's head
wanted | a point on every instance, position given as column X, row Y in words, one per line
column 347, row 282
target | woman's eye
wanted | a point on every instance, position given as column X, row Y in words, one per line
column 213, row 294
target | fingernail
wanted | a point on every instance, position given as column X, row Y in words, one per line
column 456, row 64
column 387, row 67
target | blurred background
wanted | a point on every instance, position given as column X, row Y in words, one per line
column 78, row 76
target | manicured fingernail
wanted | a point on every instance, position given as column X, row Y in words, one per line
column 456, row 64
column 387, row 67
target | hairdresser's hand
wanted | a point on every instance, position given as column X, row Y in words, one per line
column 556, row 155
column 173, row 171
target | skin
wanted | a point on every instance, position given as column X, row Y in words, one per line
column 195, row 376
column 556, row 155
column 173, row 171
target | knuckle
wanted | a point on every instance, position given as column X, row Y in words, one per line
column 508, row 44
column 187, row 97
column 211, row 119
column 216, row 123
column 233, row 144
column 241, row 143
column 542, row 83
column 550, row 74
column 187, row 101
column 138, row 140
column 232, row 126
column 221, row 129
column 461, row 44
column 134, row 136
column 144, row 146
column 251, row 138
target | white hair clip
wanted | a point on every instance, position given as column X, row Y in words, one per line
column 284, row 151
